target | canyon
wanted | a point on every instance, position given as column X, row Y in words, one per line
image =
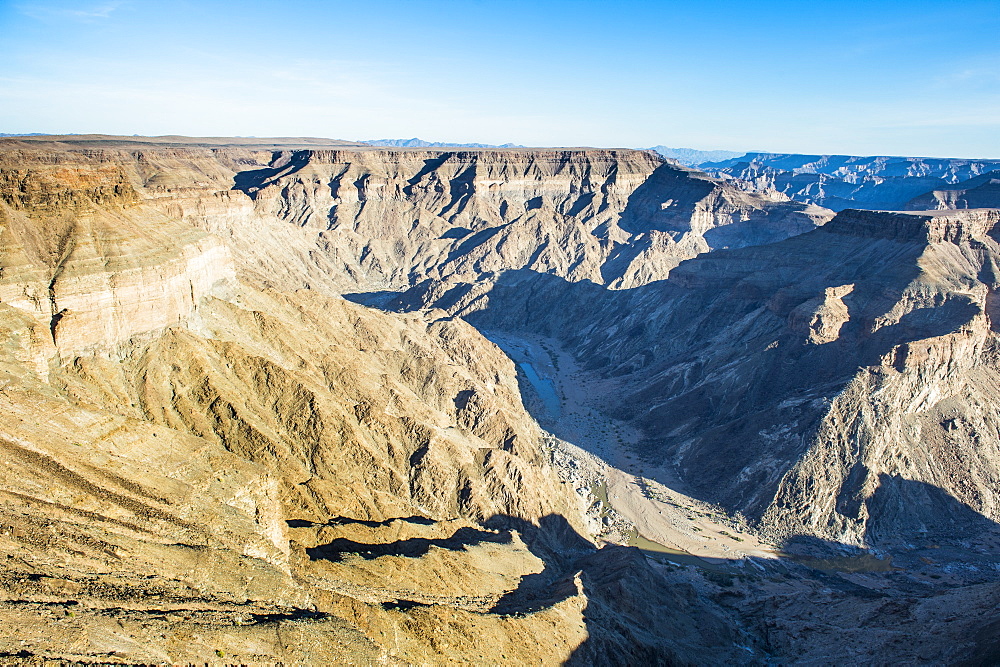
column 312, row 401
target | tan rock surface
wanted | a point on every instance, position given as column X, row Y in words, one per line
column 388, row 218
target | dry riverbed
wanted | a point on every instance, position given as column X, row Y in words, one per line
column 631, row 501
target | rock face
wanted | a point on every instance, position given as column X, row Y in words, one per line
column 839, row 182
column 387, row 219
column 390, row 219
column 211, row 456
column 89, row 267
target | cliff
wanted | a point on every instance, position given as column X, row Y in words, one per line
column 389, row 218
column 979, row 192
column 392, row 218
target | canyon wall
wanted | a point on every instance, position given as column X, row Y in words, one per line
column 980, row 192
column 387, row 219
column 804, row 383
column 394, row 218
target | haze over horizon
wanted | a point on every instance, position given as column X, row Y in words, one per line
column 896, row 78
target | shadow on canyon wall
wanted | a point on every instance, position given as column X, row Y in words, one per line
column 714, row 368
column 639, row 609
column 633, row 613
column 250, row 182
column 713, row 365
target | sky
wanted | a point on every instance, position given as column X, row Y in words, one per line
column 864, row 78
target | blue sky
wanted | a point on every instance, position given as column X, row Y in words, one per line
column 911, row 78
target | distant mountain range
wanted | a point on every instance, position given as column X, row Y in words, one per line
column 866, row 182
column 693, row 157
column 420, row 143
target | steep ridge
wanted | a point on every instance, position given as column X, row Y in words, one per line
column 618, row 217
column 809, row 384
column 839, row 182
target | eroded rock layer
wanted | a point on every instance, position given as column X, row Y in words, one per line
column 980, row 192
column 386, row 219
